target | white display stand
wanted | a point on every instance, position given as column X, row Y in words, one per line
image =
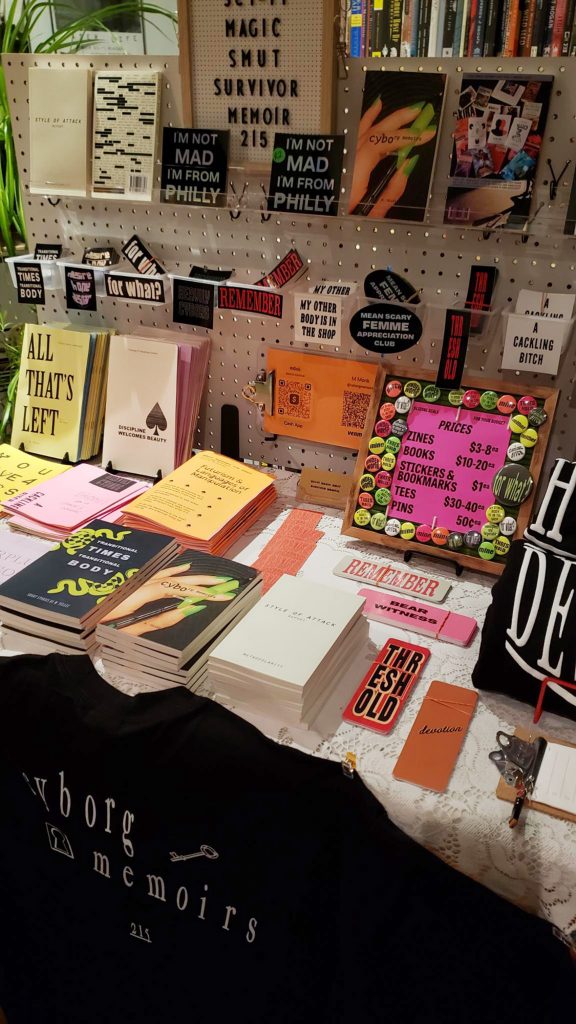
column 434, row 256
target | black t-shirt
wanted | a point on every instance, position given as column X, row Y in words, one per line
column 305, row 903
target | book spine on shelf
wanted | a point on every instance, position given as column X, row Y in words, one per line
column 527, row 28
column 568, row 24
column 471, row 27
column 449, row 28
column 540, row 23
column 396, row 9
column 502, row 23
column 549, row 29
column 423, row 27
column 480, row 31
column 489, row 48
column 512, row 29
column 433, row 28
column 558, row 28
column 410, row 28
column 463, row 27
column 376, row 28
column 355, row 21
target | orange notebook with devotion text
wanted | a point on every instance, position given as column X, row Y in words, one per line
column 429, row 754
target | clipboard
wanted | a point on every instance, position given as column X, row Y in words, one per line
column 508, row 793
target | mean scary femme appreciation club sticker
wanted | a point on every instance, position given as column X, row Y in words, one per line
column 386, row 686
column 385, row 328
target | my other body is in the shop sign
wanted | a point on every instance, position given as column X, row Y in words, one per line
column 256, row 67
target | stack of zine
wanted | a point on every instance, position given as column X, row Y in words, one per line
column 150, row 423
column 288, row 654
column 57, row 507
column 59, row 407
column 162, row 633
column 206, row 504
column 55, row 603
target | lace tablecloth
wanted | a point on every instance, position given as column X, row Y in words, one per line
column 533, row 865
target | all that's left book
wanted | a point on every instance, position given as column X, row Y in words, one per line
column 60, row 127
column 58, row 410
column 125, row 133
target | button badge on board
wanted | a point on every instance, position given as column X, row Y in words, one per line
column 383, row 496
column 387, row 411
column 388, row 461
column 490, row 531
column 393, row 527
column 413, row 388
column 489, row 400
column 383, row 479
column 516, row 452
column 393, row 388
column 529, row 437
column 431, row 393
column 526, row 404
column 508, row 526
column 537, row 418
column 367, row 482
column 407, row 531
column 455, row 541
column 473, row 539
column 361, row 517
column 424, row 534
column 393, row 444
column 512, row 484
column 487, row 550
column 404, row 404
column 383, row 428
column 440, row 536
column 378, row 521
column 456, row 397
column 495, row 514
column 399, row 428
column 373, row 464
column 502, row 545
column 366, row 500
column 518, row 423
column 376, row 445
column 471, row 399
column 506, row 404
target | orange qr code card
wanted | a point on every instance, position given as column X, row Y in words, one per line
column 319, row 398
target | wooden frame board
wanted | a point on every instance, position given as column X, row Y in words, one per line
column 303, row 51
column 547, row 399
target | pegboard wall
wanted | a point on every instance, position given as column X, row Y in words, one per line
column 434, row 257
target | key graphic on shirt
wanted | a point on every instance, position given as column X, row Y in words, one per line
column 59, row 842
column 204, row 851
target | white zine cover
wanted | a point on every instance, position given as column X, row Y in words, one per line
column 126, row 112
column 140, row 424
column 290, row 632
column 60, row 101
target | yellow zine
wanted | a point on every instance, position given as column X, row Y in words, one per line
column 203, row 494
column 20, row 471
column 49, row 400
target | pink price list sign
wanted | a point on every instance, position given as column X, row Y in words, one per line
column 446, row 465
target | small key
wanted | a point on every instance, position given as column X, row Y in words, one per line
column 204, row 851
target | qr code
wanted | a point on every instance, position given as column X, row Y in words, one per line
column 354, row 409
column 294, row 398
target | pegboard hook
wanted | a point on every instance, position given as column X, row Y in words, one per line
column 53, row 202
column 234, row 214
column 264, row 217
column 525, row 235
column 556, row 178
